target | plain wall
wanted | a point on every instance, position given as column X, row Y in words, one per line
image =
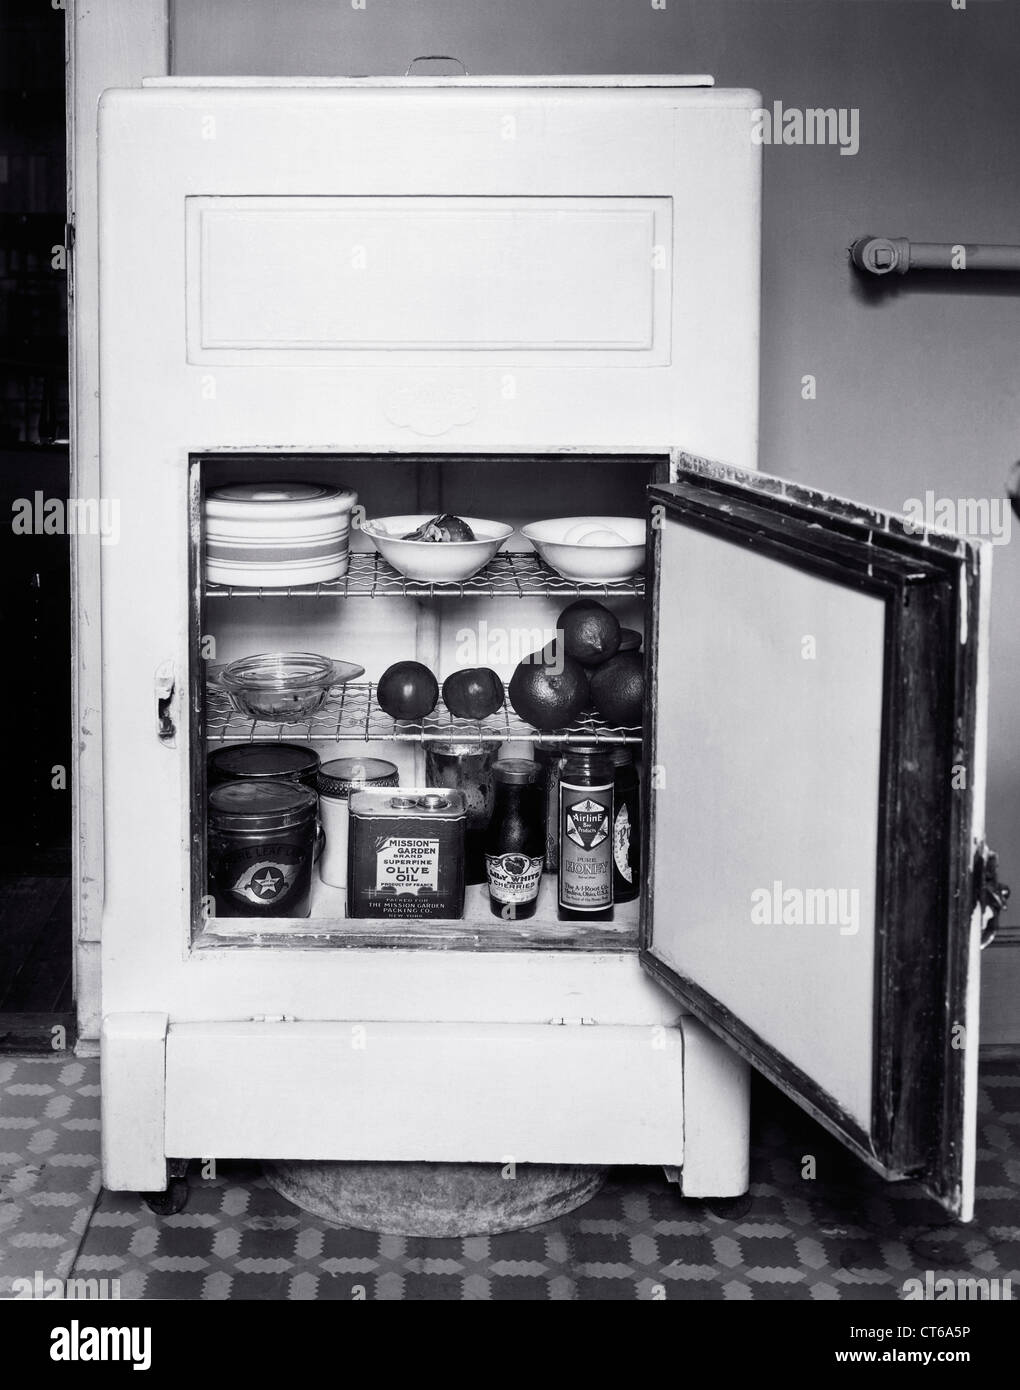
column 918, row 383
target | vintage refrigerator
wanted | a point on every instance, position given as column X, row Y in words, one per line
column 519, row 298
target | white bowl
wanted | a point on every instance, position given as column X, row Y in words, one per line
column 593, row 554
column 435, row 562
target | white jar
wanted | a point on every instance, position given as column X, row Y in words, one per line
column 277, row 535
column 335, row 781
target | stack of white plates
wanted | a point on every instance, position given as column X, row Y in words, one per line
column 273, row 535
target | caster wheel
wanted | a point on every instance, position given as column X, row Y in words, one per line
column 730, row 1208
column 175, row 1198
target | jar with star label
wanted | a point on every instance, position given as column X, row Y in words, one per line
column 260, row 844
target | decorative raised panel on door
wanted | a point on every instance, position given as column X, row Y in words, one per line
column 442, row 280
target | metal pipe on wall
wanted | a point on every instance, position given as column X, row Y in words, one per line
column 881, row 255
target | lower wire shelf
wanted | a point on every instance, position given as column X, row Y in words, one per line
column 351, row 714
column 328, row 927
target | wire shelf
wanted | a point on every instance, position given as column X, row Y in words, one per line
column 514, row 573
column 351, row 715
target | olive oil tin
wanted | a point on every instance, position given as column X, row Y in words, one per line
column 406, row 852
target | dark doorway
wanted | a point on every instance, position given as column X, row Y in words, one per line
column 35, row 703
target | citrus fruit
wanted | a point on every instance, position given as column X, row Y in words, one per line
column 591, row 634
column 618, row 689
column 548, row 695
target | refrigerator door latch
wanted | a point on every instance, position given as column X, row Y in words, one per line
column 165, row 682
column 991, row 895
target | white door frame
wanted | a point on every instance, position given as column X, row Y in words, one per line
column 114, row 44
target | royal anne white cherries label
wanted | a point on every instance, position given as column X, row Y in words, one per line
column 514, row 878
column 586, row 847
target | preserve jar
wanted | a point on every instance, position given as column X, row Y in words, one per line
column 515, row 844
column 261, row 837
column 467, row 768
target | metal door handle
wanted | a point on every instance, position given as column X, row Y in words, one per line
column 165, row 686
column 991, row 895
column 435, row 58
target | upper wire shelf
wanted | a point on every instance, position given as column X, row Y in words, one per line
column 514, row 573
column 351, row 714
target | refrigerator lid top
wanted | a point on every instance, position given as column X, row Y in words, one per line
column 595, row 80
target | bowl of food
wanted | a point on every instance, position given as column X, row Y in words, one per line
column 283, row 687
column 433, row 549
column 590, row 549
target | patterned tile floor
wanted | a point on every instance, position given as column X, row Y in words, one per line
column 49, row 1163
column 843, row 1235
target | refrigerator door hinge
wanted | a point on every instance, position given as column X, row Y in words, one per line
column 69, row 258
column 989, row 894
column 572, row 1022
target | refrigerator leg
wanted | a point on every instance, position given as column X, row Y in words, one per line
column 716, row 1116
column 133, row 1069
column 175, row 1198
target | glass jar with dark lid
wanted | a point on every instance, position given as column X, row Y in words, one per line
column 261, row 837
column 515, row 839
column 549, row 755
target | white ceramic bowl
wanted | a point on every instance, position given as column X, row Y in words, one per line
column 435, row 562
column 593, row 549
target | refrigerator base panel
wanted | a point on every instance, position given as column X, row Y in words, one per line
column 434, row 1092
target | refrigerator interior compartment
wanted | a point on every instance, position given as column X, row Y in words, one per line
column 512, row 574
column 350, row 714
column 524, row 597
